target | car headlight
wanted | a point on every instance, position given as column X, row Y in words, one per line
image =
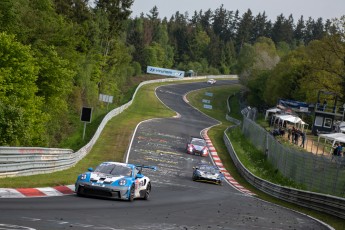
column 122, row 182
column 204, row 151
column 83, row 176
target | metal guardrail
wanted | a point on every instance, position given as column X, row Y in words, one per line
column 23, row 161
column 325, row 203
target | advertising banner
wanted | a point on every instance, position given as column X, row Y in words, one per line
column 165, row 72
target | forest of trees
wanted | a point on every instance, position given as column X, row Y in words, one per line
column 58, row 55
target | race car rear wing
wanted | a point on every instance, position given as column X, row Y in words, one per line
column 154, row 168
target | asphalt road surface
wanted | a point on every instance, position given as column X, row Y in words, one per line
column 176, row 202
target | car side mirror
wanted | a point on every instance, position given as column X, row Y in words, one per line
column 90, row 169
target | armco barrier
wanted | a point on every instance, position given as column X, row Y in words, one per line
column 325, row 203
column 22, row 161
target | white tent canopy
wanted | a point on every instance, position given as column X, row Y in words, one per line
column 271, row 110
column 334, row 137
column 290, row 118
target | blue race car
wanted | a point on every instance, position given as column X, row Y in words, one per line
column 207, row 173
column 115, row 180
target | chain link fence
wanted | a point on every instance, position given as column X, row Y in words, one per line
column 318, row 173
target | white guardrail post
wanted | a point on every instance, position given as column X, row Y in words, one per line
column 23, row 161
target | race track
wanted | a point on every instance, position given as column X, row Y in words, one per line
column 176, row 202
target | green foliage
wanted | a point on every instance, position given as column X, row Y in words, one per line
column 22, row 121
column 283, row 48
column 54, row 84
column 245, row 62
column 283, row 81
column 155, row 55
column 137, row 68
column 326, row 67
column 213, row 70
column 257, row 87
column 266, row 56
column 199, row 43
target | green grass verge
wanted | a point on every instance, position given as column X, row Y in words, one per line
column 249, row 156
column 256, row 162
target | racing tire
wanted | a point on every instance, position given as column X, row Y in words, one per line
column 131, row 193
column 147, row 191
column 78, row 192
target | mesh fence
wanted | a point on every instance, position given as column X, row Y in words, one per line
column 323, row 173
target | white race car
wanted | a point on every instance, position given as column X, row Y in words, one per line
column 115, row 180
column 211, row 81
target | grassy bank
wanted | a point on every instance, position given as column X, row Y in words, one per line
column 253, row 159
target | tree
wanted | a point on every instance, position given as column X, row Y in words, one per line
column 260, row 27
column 21, row 121
column 245, row 27
column 245, row 62
column 266, row 56
column 55, row 83
column 327, row 63
column 282, row 30
column 199, row 44
column 309, row 30
column 221, row 24
column 318, row 29
column 285, row 79
column 299, row 33
column 8, row 16
column 76, row 10
column 135, row 38
column 117, row 11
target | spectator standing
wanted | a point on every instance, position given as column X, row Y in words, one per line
column 289, row 133
column 340, row 149
column 324, row 105
column 335, row 150
column 293, row 135
column 303, row 136
column 296, row 136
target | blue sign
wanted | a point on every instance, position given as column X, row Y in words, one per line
column 209, row 94
column 206, row 101
column 207, row 106
column 165, row 72
column 292, row 103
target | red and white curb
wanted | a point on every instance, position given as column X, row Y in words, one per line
column 220, row 165
column 36, row 192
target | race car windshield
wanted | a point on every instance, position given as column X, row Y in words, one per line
column 208, row 169
column 115, row 170
column 198, row 142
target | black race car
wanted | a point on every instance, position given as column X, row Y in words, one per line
column 207, row 173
